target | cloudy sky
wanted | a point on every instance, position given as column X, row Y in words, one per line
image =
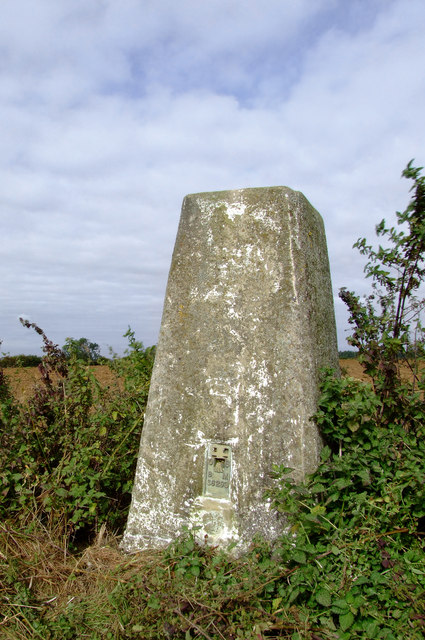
column 112, row 111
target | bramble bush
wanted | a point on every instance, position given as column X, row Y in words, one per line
column 69, row 452
column 357, row 523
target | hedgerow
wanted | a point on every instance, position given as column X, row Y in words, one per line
column 20, row 361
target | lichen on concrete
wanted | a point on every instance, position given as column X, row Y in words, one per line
column 248, row 322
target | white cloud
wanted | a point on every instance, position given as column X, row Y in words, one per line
column 112, row 112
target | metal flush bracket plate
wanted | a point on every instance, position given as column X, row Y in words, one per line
column 218, row 470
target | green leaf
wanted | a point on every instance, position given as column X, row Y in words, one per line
column 339, row 606
column 293, row 595
column 154, row 603
column 371, row 629
column 346, row 620
column 299, row 556
column 318, row 510
column 325, row 453
column 317, row 488
column 342, row 483
column 323, row 597
column 195, row 571
column 364, row 475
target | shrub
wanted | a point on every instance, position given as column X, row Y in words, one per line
column 82, row 349
column 69, row 452
column 388, row 323
column 355, row 525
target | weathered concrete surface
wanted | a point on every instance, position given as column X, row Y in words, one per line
column 248, row 321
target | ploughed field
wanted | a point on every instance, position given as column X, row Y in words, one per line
column 22, row 380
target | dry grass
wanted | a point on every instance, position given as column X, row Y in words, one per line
column 38, row 558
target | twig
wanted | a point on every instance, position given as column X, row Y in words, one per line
column 193, row 625
column 218, row 631
column 202, row 605
column 26, row 606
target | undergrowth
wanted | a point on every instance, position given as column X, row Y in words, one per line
column 351, row 563
column 69, row 452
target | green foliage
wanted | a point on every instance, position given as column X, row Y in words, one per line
column 20, row 361
column 354, row 542
column 387, row 323
column 82, row 349
column 348, row 354
column 356, row 534
column 69, row 452
column 136, row 366
column 4, row 387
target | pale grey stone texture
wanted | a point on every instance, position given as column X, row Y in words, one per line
column 248, row 321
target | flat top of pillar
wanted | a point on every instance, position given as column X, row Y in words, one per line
column 251, row 196
column 248, row 190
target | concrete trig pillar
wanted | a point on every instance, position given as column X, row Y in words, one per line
column 248, row 321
